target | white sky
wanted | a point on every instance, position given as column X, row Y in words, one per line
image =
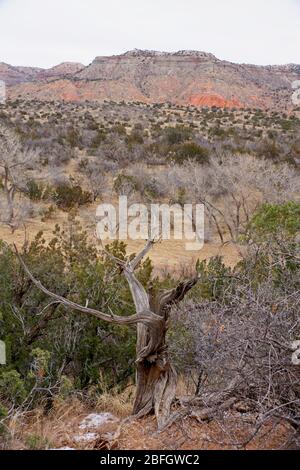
column 46, row 32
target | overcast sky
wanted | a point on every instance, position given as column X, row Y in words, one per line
column 46, row 32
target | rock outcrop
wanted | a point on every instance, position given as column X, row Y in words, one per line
column 184, row 78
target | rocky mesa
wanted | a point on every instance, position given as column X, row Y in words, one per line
column 184, row 78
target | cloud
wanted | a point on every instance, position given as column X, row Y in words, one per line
column 44, row 33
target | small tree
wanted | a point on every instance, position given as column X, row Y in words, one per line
column 15, row 164
column 155, row 375
column 233, row 188
column 96, row 180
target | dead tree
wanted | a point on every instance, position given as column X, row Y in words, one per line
column 16, row 163
column 155, row 375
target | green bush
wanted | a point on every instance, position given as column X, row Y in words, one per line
column 98, row 139
column 120, row 129
column 39, row 363
column 3, row 415
column 12, row 387
column 66, row 386
column 190, row 151
column 177, row 135
column 276, row 221
column 83, row 349
column 67, row 196
column 38, row 191
column 134, row 138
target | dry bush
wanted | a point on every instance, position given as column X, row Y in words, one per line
column 39, row 430
column 236, row 346
column 16, row 165
column 231, row 189
column 118, row 403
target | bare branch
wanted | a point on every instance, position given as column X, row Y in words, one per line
column 138, row 258
column 145, row 317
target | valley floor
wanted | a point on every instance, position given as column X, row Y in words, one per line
column 166, row 256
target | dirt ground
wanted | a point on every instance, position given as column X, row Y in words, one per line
column 64, row 428
column 166, row 255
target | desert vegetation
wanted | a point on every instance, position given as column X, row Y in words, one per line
column 87, row 326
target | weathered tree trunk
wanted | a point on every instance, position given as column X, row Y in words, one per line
column 156, row 378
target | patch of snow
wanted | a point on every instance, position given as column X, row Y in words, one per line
column 95, row 420
column 64, row 448
column 90, row 436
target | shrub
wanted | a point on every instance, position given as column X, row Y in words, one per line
column 152, row 189
column 177, row 135
column 125, row 184
column 3, row 415
column 274, row 221
column 36, row 442
column 82, row 348
column 234, row 333
column 190, row 151
column 269, row 149
column 38, row 191
column 66, row 387
column 47, row 213
column 67, row 196
column 12, row 388
column 34, row 190
column 120, row 129
column 40, row 363
column 73, row 138
column 99, row 138
column 134, row 138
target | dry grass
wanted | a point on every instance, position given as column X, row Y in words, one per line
column 119, row 405
column 39, row 430
column 59, row 428
column 189, row 434
column 166, row 255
